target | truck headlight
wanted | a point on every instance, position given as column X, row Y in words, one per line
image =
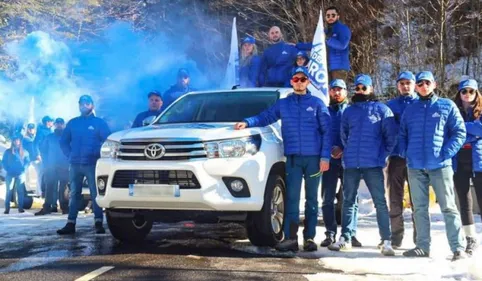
column 233, row 147
column 109, row 149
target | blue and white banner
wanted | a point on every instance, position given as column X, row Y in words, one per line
column 231, row 77
column 318, row 68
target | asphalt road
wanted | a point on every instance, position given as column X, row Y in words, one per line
column 31, row 250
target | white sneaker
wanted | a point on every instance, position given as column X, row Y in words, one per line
column 340, row 245
column 387, row 249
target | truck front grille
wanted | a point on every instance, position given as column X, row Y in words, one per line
column 185, row 150
column 185, row 179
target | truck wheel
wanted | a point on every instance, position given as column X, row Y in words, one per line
column 27, row 202
column 265, row 228
column 128, row 230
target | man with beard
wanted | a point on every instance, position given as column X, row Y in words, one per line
column 182, row 87
column 56, row 171
column 81, row 142
column 277, row 60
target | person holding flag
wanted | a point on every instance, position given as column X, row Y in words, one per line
column 306, row 132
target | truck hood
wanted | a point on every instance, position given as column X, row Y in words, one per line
column 187, row 132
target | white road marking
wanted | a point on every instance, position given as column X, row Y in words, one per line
column 95, row 273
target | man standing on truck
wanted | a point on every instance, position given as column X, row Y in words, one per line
column 81, row 141
column 306, row 132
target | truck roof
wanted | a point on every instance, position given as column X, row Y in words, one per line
column 283, row 91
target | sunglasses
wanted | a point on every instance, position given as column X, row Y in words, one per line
column 421, row 83
column 364, row 88
column 331, row 15
column 297, row 79
column 465, row 91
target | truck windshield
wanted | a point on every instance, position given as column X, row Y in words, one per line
column 218, row 107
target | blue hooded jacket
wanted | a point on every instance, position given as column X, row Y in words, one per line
column 249, row 73
column 53, row 156
column 398, row 105
column 431, row 133
column 276, row 64
column 306, row 125
column 368, row 133
column 82, row 139
column 13, row 164
column 338, row 37
column 473, row 140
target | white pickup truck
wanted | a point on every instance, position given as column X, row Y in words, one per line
column 190, row 164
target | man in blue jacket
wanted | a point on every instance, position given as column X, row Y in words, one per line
column 397, row 166
column 306, row 132
column 338, row 104
column 56, row 171
column 338, row 37
column 277, row 60
column 155, row 105
column 368, row 134
column 431, row 132
column 81, row 142
column 182, row 87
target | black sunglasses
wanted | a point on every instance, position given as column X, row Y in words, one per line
column 465, row 91
column 364, row 88
column 426, row 82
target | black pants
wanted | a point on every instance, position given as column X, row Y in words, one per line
column 397, row 175
column 462, row 187
column 57, row 179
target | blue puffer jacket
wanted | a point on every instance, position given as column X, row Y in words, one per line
column 53, row 155
column 276, row 64
column 82, row 138
column 336, row 111
column 474, row 138
column 173, row 93
column 42, row 133
column 397, row 106
column 306, row 125
column 143, row 115
column 249, row 73
column 338, row 38
column 431, row 133
column 368, row 132
column 30, row 145
column 13, row 164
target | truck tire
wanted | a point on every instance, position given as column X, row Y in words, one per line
column 265, row 228
column 27, row 202
column 128, row 230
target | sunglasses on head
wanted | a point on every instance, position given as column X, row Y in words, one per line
column 331, row 15
column 298, row 79
column 426, row 82
column 363, row 88
column 467, row 91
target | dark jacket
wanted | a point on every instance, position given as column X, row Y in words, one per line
column 336, row 112
column 306, row 125
column 143, row 115
column 249, row 73
column 82, row 139
column 42, row 132
column 398, row 105
column 276, row 64
column 53, row 154
column 431, row 132
column 172, row 94
column 368, row 134
column 13, row 164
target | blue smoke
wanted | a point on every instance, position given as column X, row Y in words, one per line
column 118, row 70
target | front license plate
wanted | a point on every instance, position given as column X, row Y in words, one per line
column 155, row 190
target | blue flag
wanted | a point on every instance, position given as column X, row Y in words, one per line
column 318, row 68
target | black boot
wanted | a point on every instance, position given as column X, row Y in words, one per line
column 310, row 246
column 42, row 212
column 288, row 245
column 69, row 228
column 99, row 229
column 330, row 239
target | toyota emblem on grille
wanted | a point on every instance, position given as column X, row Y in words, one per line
column 154, row 151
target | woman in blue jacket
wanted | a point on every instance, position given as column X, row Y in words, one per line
column 468, row 161
column 250, row 63
column 15, row 161
column 302, row 60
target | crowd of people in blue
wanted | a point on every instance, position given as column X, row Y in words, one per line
column 418, row 136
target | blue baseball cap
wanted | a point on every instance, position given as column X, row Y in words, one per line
column 363, row 79
column 338, row 83
column 86, row 99
column 154, row 93
column 59, row 121
column 406, row 75
column 249, row 40
column 30, row 126
column 182, row 72
column 46, row 119
column 425, row 75
column 300, row 70
column 469, row 83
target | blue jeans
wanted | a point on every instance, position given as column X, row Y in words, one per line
column 374, row 180
column 443, row 186
column 19, row 183
column 297, row 169
column 77, row 174
column 328, row 195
